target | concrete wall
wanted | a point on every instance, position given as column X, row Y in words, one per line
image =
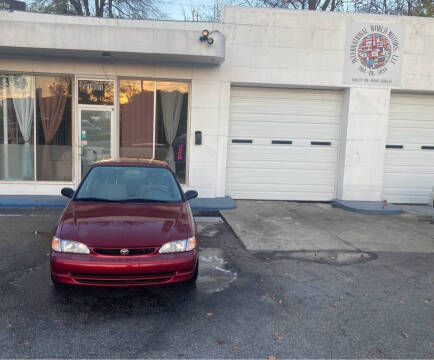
column 274, row 47
column 266, row 47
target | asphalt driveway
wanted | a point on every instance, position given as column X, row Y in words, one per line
column 247, row 304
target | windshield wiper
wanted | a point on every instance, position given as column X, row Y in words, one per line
column 142, row 201
column 96, row 199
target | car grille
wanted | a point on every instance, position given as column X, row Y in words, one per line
column 117, row 252
column 130, row 279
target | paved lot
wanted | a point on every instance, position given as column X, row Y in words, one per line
column 292, row 226
column 247, row 304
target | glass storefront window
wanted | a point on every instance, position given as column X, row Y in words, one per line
column 96, row 92
column 52, row 121
column 54, row 128
column 16, row 137
column 171, row 125
column 136, row 118
column 138, row 121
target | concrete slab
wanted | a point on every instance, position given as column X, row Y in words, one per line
column 292, row 226
column 367, row 207
column 422, row 211
column 278, row 225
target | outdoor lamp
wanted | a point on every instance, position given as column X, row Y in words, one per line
column 204, row 37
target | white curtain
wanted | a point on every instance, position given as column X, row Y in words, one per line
column 22, row 89
column 172, row 105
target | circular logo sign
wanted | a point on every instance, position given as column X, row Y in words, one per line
column 374, row 51
column 124, row 251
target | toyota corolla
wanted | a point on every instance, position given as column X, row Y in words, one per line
column 127, row 224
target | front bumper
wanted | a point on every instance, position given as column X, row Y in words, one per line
column 91, row 270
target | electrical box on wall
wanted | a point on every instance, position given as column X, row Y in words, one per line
column 198, row 138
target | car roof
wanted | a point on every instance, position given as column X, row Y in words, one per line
column 132, row 162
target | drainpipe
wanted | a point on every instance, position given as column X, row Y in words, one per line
column 5, row 131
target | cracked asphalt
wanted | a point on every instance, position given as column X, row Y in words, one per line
column 247, row 304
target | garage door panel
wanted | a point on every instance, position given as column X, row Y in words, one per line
column 409, row 158
column 409, row 180
column 424, row 136
column 423, row 117
column 411, row 99
column 288, row 109
column 248, row 92
column 272, row 165
column 282, row 188
column 264, row 194
column 293, row 131
column 408, row 124
column 283, row 118
column 282, row 176
column 407, row 198
column 409, row 172
column 297, row 171
column 291, row 155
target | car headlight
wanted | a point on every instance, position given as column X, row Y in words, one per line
column 179, row 246
column 68, row 246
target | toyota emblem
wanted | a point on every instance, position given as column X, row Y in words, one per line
column 124, row 251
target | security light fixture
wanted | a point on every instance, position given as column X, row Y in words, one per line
column 205, row 37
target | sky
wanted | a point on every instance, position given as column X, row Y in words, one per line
column 174, row 8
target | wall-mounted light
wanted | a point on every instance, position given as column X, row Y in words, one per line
column 205, row 37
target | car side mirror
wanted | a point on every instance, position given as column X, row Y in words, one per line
column 191, row 194
column 68, row 192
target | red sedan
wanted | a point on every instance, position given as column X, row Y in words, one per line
column 128, row 224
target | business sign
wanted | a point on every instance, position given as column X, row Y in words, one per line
column 373, row 54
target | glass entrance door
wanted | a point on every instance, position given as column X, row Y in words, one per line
column 95, row 137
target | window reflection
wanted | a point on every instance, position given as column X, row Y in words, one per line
column 95, row 92
column 54, row 128
column 16, row 127
column 137, row 121
column 136, row 118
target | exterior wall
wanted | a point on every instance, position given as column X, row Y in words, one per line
column 264, row 47
column 307, row 48
column 209, row 101
column 361, row 161
column 273, row 47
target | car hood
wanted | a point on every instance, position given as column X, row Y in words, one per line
column 125, row 225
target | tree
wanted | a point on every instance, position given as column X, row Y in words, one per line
column 205, row 12
column 393, row 7
column 323, row 5
column 423, row 8
column 133, row 9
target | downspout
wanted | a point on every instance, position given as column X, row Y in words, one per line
column 5, row 131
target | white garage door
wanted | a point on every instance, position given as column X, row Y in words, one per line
column 409, row 160
column 283, row 143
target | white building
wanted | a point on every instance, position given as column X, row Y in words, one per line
column 291, row 105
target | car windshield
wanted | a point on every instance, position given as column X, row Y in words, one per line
column 129, row 184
